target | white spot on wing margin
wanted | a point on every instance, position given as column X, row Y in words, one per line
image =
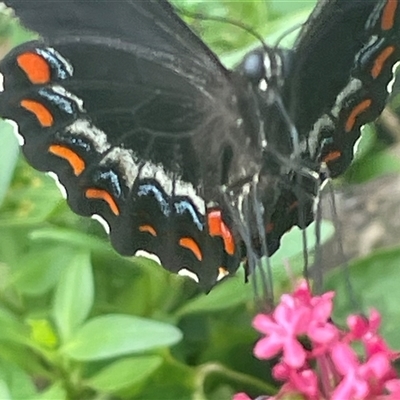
column 102, row 222
column 190, row 274
column 222, row 274
column 20, row 138
column 64, row 194
column 60, row 186
column 150, row 256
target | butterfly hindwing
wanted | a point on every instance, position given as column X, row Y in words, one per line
column 338, row 79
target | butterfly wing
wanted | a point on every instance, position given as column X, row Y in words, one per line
column 148, row 24
column 139, row 121
column 336, row 81
column 331, row 90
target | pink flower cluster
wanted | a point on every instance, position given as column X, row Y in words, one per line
column 317, row 359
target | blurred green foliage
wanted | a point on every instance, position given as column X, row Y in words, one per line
column 77, row 321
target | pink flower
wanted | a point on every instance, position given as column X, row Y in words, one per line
column 366, row 330
column 298, row 315
column 303, row 381
column 393, row 387
column 359, row 380
column 361, row 327
column 281, row 330
column 352, row 384
column 241, row 396
column 316, row 358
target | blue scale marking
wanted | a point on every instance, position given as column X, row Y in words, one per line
column 145, row 190
column 113, row 178
column 184, row 206
column 60, row 101
column 51, row 56
column 76, row 141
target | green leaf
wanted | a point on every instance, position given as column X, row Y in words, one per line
column 40, row 269
column 17, row 354
column 55, row 392
column 292, row 241
column 18, row 382
column 30, row 200
column 230, row 293
column 42, row 333
column 375, row 165
column 11, row 329
column 114, row 335
column 124, row 373
column 365, row 144
column 374, row 282
column 70, row 237
column 9, row 151
column 4, row 391
column 74, row 295
column 173, row 381
column 284, row 7
column 290, row 252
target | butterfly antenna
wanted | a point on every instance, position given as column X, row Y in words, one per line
column 233, row 22
column 287, row 33
column 294, row 134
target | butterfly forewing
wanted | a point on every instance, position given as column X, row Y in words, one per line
column 135, row 118
column 150, row 24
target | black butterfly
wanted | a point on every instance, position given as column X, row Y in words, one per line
column 181, row 157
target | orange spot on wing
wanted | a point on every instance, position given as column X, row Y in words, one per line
column 379, row 62
column 148, row 229
column 190, row 244
column 76, row 162
column 35, row 67
column 217, row 227
column 40, row 111
column 103, row 195
column 388, row 15
column 332, row 156
column 357, row 110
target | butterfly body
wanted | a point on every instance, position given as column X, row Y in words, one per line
column 146, row 129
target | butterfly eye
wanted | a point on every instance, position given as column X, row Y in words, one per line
column 253, row 67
